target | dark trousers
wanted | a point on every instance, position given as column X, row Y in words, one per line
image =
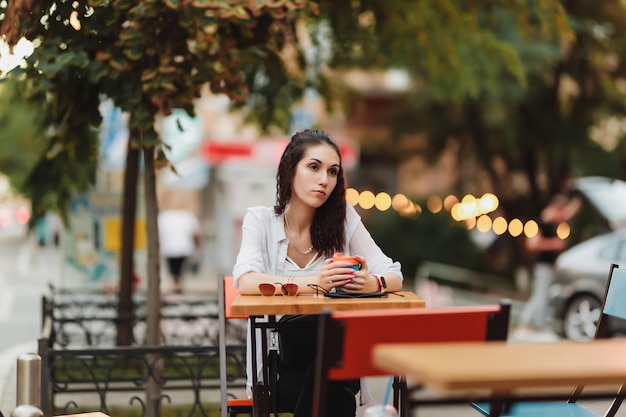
column 294, row 390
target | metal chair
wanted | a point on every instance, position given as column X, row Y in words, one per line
column 614, row 306
column 227, row 294
column 346, row 340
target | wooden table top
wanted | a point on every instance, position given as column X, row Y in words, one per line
column 501, row 366
column 258, row 305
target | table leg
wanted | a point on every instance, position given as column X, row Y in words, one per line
column 261, row 392
column 501, row 405
column 496, row 408
column 255, row 380
column 265, row 384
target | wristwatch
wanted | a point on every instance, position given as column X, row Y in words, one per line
column 382, row 284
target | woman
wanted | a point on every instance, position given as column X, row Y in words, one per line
column 294, row 242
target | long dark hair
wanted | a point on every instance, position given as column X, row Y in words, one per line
column 327, row 231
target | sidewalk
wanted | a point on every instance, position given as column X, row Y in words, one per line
column 34, row 266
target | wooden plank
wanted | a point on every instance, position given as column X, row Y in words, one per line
column 501, row 366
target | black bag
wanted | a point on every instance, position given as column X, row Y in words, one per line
column 297, row 340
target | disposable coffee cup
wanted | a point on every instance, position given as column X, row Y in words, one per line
column 352, row 259
column 356, row 265
column 380, row 410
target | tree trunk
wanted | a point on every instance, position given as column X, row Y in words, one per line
column 126, row 308
column 153, row 334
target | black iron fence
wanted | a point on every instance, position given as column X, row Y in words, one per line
column 83, row 370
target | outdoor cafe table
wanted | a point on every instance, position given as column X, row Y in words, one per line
column 258, row 306
column 500, row 368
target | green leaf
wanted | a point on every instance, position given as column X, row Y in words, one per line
column 97, row 3
column 186, row 20
column 168, row 85
column 134, row 54
column 145, row 9
column 149, row 74
column 96, row 72
column 124, row 5
column 173, row 4
column 211, row 4
column 118, row 64
column 167, row 69
column 51, row 69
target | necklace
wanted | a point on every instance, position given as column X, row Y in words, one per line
column 294, row 245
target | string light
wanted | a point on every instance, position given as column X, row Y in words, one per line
column 472, row 211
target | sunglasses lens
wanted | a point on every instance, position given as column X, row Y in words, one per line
column 290, row 289
column 267, row 289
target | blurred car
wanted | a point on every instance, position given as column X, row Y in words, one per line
column 582, row 270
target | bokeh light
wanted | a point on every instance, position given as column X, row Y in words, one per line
column 383, row 201
column 499, row 225
column 434, row 204
column 22, row 215
column 472, row 211
column 469, row 206
column 399, row 202
column 457, row 212
column 516, row 227
column 488, row 203
column 449, row 202
column 367, row 199
column 352, row 196
column 531, row 228
column 563, row 230
column 411, row 210
column 483, row 223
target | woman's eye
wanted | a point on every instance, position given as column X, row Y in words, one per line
column 333, row 171
column 314, row 167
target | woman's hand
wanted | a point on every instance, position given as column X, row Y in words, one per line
column 335, row 274
column 361, row 280
column 341, row 275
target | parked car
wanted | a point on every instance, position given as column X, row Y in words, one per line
column 582, row 270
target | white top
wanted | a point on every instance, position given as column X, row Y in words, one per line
column 264, row 249
column 177, row 230
column 264, row 245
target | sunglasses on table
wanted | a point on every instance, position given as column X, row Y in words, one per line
column 290, row 289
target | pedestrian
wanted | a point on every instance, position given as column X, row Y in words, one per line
column 294, row 242
column 179, row 238
column 545, row 246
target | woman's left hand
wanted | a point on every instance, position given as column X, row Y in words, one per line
column 362, row 281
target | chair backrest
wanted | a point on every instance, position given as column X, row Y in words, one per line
column 230, row 293
column 346, row 338
column 613, row 304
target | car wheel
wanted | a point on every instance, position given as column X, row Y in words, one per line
column 581, row 317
